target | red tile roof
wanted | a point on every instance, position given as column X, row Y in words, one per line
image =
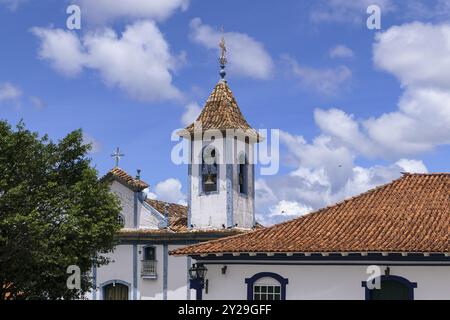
column 126, row 179
column 178, row 228
column 177, row 214
column 178, row 219
column 410, row 214
column 222, row 112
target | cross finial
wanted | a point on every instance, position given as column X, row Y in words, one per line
column 223, row 55
column 117, row 156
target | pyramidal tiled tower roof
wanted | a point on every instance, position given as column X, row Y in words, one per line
column 221, row 111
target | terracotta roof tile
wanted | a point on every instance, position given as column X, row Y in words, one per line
column 177, row 214
column 178, row 218
column 222, row 112
column 410, row 214
column 126, row 179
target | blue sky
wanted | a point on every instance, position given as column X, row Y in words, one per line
column 355, row 106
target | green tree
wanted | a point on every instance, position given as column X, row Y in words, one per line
column 54, row 213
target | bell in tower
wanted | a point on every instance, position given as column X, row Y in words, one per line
column 221, row 188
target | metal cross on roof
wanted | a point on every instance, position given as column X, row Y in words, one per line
column 117, row 156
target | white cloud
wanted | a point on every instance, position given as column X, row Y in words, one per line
column 102, row 11
column 421, row 123
column 345, row 11
column 322, row 154
column 325, row 173
column 417, row 54
column 289, row 209
column 246, row 56
column 150, row 195
column 192, row 111
column 13, row 94
column 37, row 102
column 341, row 51
column 96, row 146
column 10, row 92
column 62, row 48
column 326, row 170
column 328, row 81
column 341, row 126
column 362, row 179
column 138, row 61
column 170, row 190
column 412, row 166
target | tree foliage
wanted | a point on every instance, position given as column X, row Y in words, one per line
column 54, row 213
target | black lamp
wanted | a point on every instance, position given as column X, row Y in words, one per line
column 198, row 272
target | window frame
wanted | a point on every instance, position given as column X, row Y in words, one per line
column 251, row 284
column 410, row 285
column 104, row 285
column 242, row 168
column 203, row 177
column 145, row 253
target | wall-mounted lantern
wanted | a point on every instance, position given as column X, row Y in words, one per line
column 197, row 275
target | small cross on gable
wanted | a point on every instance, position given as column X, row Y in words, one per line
column 117, row 156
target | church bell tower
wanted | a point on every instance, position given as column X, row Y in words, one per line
column 221, row 181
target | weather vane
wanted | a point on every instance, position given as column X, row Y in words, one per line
column 117, row 156
column 223, row 55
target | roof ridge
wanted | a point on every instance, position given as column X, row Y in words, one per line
column 363, row 214
column 278, row 225
column 325, row 212
column 125, row 178
column 339, row 203
column 426, row 174
column 374, row 189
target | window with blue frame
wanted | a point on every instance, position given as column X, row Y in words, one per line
column 149, row 263
column 150, row 253
column 266, row 286
column 391, row 288
column 115, row 291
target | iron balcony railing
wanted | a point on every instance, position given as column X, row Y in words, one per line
column 148, row 268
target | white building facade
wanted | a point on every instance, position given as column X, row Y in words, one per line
column 140, row 267
column 391, row 242
column 220, row 203
column 320, row 280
